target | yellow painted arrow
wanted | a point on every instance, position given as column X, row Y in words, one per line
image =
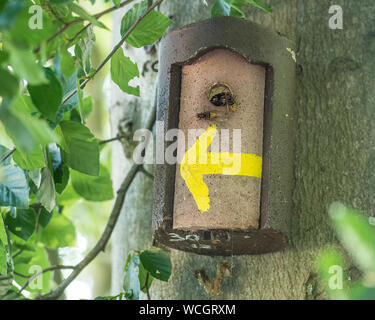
column 197, row 162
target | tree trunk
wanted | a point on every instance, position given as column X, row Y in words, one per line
column 334, row 150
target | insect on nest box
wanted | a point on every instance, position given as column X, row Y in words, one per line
column 230, row 192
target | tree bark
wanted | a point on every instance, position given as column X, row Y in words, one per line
column 334, row 161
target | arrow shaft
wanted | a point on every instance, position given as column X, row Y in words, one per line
column 226, row 163
column 197, row 163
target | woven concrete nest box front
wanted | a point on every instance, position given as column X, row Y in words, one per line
column 227, row 75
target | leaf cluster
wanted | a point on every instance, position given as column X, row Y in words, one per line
column 54, row 158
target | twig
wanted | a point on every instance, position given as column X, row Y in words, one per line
column 122, row 4
column 62, row 30
column 76, row 35
column 117, row 46
column 101, row 244
column 97, row 16
column 112, row 139
column 21, row 275
column 147, row 288
column 123, row 39
column 17, row 254
column 74, row 22
column 8, row 155
column 147, row 174
column 58, row 267
column 54, row 13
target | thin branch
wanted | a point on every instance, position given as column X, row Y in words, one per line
column 117, row 46
column 54, row 13
column 53, row 268
column 121, row 193
column 101, row 244
column 97, row 16
column 147, row 288
column 122, row 4
column 21, row 275
column 76, row 35
column 62, row 30
column 8, row 155
column 118, row 137
column 123, row 39
column 17, row 254
column 147, row 174
column 76, row 21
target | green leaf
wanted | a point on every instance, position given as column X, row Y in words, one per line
column 3, row 152
column 131, row 283
column 62, row 142
column 71, row 33
column 3, row 260
column 83, row 49
column 45, row 217
column 47, row 97
column 12, row 294
column 59, row 233
column 157, row 262
column 26, row 131
column 23, row 63
column 4, row 56
column 22, row 33
column 23, row 224
column 80, row 100
column 85, row 15
column 60, row 1
column 149, row 29
column 261, row 5
column 38, row 261
column 236, row 8
column 5, row 285
column 3, row 234
column 9, row 13
column 46, row 193
column 228, row 8
column 35, row 177
column 361, row 292
column 122, row 71
column 132, row 15
column 83, row 148
column 87, row 107
column 93, row 188
column 356, row 234
column 8, row 84
column 117, row 2
column 23, row 103
column 61, row 177
column 4, row 253
column 18, row 243
column 68, row 197
column 14, row 190
column 142, row 278
column 330, row 266
column 29, row 160
column 67, row 64
column 220, row 8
